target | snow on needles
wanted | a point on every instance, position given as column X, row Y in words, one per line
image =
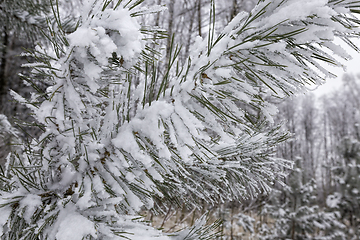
column 112, row 143
column 107, row 32
column 104, row 33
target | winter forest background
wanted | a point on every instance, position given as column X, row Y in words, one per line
column 178, row 119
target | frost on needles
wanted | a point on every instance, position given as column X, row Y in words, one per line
column 121, row 136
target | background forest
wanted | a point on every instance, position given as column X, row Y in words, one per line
column 321, row 198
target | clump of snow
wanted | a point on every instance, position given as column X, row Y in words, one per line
column 290, row 11
column 332, row 201
column 72, row 225
column 281, row 212
column 106, row 32
column 4, row 217
column 93, row 71
column 30, row 203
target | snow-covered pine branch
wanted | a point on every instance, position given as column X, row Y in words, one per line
column 120, row 136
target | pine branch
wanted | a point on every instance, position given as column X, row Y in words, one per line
column 120, row 136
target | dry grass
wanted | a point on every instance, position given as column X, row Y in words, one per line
column 175, row 220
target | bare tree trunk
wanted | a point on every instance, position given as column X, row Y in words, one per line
column 325, row 171
column 3, row 63
column 234, row 10
column 221, row 217
column 191, row 23
column 232, row 221
column 293, row 221
column 157, row 19
column 170, row 28
column 199, row 16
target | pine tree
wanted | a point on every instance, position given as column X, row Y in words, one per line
column 343, row 114
column 346, row 198
column 120, row 136
column 297, row 215
column 20, row 21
